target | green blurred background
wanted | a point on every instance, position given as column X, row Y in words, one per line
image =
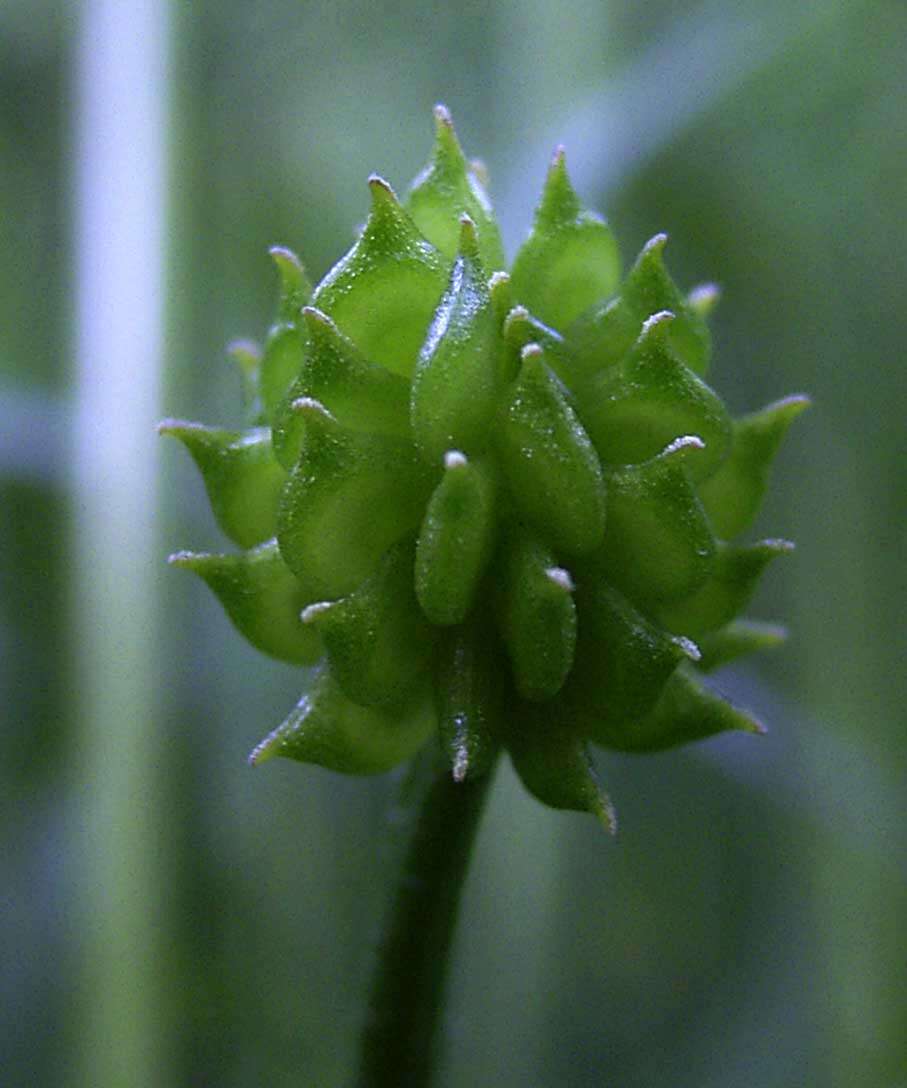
column 170, row 917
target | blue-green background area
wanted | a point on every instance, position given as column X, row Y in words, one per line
column 748, row 927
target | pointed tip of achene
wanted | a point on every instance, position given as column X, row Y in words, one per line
column 650, row 263
column 294, row 283
column 174, row 427
column 780, row 545
column 469, row 237
column 319, row 327
column 516, row 323
column 205, row 444
column 244, row 352
column 557, row 181
column 315, row 317
column 765, row 429
column 687, row 648
column 313, row 412
column 265, row 749
column 754, row 726
column 559, row 203
column 312, row 612
column 704, row 298
column 447, row 144
column 774, row 546
column 186, row 560
column 791, row 406
column 198, row 438
column 285, row 258
column 321, row 425
column 656, row 325
column 455, row 459
column 561, row 577
column 532, row 368
column 774, row 634
column 311, row 406
column 654, row 245
column 681, row 448
column 383, row 195
column 460, row 766
column 501, row 293
column 606, row 813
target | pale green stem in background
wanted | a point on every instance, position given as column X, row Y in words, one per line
column 118, row 1022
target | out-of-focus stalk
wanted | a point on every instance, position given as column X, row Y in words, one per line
column 120, row 125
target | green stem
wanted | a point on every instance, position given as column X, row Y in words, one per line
column 121, row 1028
column 399, row 1041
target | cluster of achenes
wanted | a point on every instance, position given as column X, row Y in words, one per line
column 499, row 509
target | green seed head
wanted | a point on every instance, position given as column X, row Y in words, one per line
column 500, row 510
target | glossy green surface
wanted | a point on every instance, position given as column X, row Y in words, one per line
column 512, row 491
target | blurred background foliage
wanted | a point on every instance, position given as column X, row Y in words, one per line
column 748, row 925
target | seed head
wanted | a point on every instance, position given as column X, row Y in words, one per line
column 496, row 509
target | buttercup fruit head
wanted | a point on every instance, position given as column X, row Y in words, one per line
column 498, row 510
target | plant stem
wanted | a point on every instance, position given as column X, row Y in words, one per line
column 400, row 1036
column 121, row 1024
